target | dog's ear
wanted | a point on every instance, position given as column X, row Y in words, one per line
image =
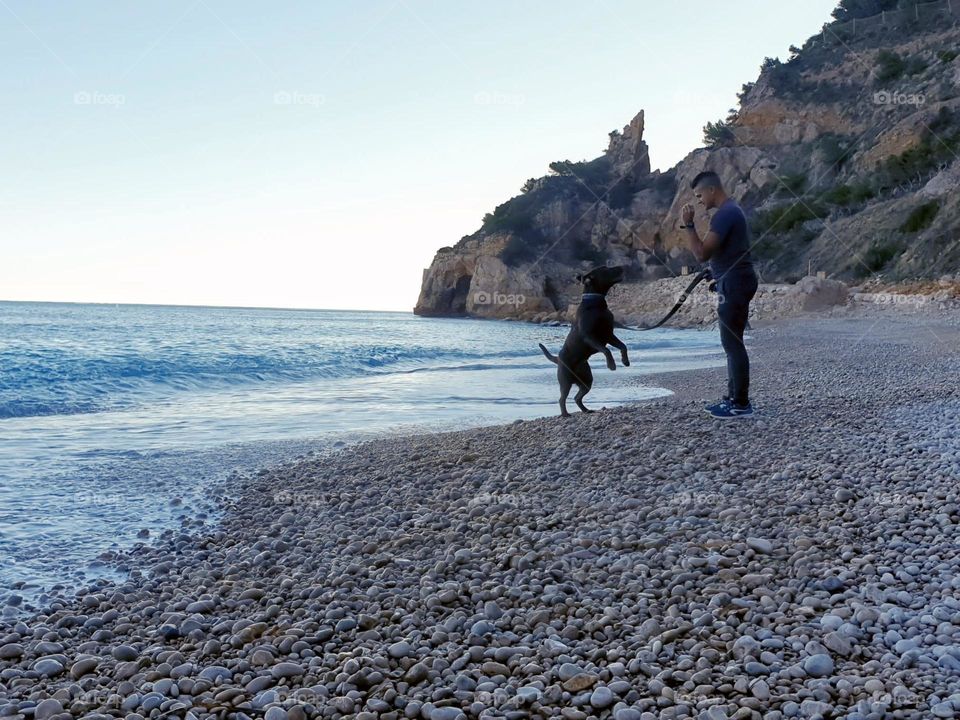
column 578, row 277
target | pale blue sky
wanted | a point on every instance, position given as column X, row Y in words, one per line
column 316, row 154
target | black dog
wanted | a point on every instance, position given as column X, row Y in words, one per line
column 591, row 332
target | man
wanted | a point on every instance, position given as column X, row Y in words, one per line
column 727, row 247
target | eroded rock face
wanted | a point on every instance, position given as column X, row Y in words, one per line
column 475, row 281
column 772, row 122
column 898, row 135
column 446, row 285
column 498, row 291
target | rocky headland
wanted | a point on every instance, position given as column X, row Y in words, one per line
column 845, row 157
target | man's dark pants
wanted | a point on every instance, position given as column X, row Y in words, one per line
column 736, row 288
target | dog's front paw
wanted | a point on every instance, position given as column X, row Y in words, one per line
column 611, row 365
column 626, row 361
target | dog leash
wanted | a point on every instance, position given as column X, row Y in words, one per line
column 700, row 277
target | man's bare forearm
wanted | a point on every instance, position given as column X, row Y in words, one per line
column 694, row 242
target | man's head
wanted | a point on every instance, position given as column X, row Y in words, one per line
column 708, row 189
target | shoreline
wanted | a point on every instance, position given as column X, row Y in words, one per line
column 631, row 564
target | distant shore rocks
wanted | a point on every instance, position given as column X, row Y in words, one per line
column 641, row 304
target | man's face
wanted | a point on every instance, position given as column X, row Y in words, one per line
column 705, row 196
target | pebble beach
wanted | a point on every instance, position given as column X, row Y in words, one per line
column 639, row 563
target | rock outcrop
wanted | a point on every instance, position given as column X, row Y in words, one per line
column 628, row 153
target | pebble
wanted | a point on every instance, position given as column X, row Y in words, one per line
column 286, row 670
column 445, row 713
column 47, row 709
column 602, row 697
column 482, row 627
column 417, row 673
column 124, row 652
column 83, row 667
column 400, row 650
column 11, row 651
column 48, row 667
column 760, row 545
column 275, row 713
column 215, row 672
column 579, row 682
column 943, row 710
column 820, row 665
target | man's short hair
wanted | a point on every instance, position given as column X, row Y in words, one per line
column 707, row 179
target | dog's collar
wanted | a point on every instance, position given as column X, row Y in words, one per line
column 593, row 296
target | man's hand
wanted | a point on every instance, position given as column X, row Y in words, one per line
column 686, row 214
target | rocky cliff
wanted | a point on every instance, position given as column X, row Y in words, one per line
column 845, row 157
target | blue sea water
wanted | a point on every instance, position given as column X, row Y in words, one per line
column 116, row 421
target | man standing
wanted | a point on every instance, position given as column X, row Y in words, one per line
column 727, row 247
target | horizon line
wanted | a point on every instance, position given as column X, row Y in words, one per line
column 192, row 305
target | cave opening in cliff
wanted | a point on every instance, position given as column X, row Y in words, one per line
column 458, row 301
column 550, row 292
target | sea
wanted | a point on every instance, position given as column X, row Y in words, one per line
column 116, row 421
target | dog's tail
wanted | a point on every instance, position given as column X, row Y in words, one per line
column 550, row 356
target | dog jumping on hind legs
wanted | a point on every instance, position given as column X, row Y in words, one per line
column 591, row 332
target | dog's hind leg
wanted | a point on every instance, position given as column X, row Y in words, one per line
column 618, row 343
column 565, row 384
column 584, row 376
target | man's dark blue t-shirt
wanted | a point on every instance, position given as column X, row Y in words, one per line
column 733, row 252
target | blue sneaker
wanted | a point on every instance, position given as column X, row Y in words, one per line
column 730, row 410
column 717, row 407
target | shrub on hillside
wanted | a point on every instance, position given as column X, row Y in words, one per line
column 518, row 251
column 592, row 173
column 878, row 256
column 718, row 134
column 921, row 217
column 835, row 149
column 515, row 216
column 744, row 91
column 792, row 184
column 597, row 181
column 785, row 218
column 843, row 195
column 890, row 66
